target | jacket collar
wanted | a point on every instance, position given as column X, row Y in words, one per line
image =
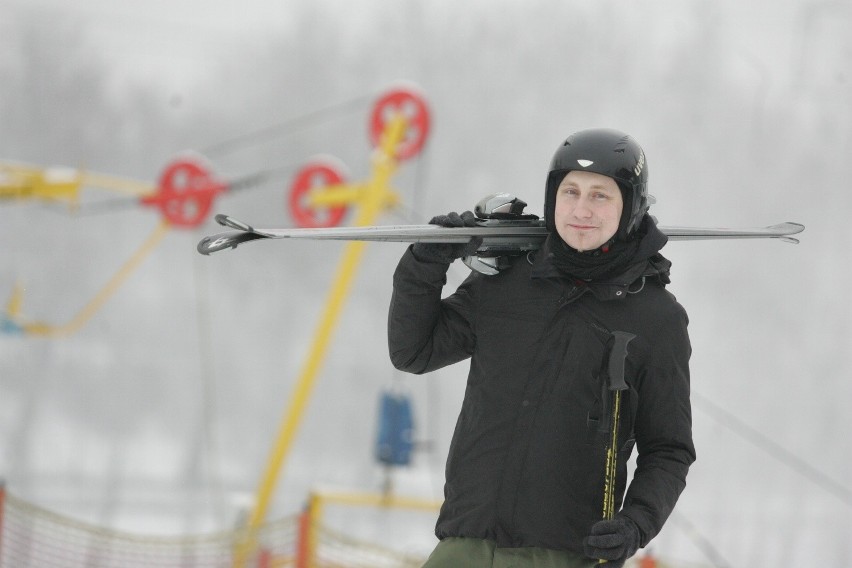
column 631, row 281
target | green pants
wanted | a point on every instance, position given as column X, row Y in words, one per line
column 478, row 553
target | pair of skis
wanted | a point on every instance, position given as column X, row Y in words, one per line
column 497, row 235
column 502, row 225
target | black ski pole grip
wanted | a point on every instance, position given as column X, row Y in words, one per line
column 617, row 357
column 612, row 373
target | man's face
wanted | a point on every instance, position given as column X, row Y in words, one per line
column 588, row 209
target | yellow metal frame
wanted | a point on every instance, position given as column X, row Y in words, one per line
column 89, row 310
column 371, row 198
column 25, row 182
column 319, row 499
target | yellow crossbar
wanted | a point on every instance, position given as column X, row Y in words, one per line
column 105, row 293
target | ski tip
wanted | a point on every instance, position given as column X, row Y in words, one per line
column 228, row 221
column 203, row 246
column 223, row 241
column 213, row 244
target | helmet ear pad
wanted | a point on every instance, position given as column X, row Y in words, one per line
column 627, row 212
column 554, row 178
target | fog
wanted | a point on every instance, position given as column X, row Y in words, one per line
column 158, row 415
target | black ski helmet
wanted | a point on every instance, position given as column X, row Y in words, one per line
column 608, row 152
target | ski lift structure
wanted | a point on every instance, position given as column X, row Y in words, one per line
column 320, row 197
column 186, row 192
column 184, row 196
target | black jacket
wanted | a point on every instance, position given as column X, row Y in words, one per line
column 527, row 460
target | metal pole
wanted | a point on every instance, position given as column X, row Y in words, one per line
column 374, row 197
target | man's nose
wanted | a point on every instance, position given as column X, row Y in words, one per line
column 582, row 210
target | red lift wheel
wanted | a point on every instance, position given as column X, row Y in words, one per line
column 186, row 192
column 414, row 108
column 310, row 178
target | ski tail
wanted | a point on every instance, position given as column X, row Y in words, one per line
column 787, row 229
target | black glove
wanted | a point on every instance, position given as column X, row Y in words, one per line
column 445, row 253
column 615, row 540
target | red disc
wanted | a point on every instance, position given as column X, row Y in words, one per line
column 309, row 179
column 416, row 113
column 186, row 192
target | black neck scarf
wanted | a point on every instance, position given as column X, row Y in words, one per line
column 608, row 261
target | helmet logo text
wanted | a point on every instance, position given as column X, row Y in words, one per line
column 585, row 163
column 640, row 163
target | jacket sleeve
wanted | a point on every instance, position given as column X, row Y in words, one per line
column 663, row 428
column 425, row 332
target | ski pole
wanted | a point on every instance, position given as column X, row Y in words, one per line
column 614, row 382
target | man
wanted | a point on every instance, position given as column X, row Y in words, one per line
column 577, row 352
